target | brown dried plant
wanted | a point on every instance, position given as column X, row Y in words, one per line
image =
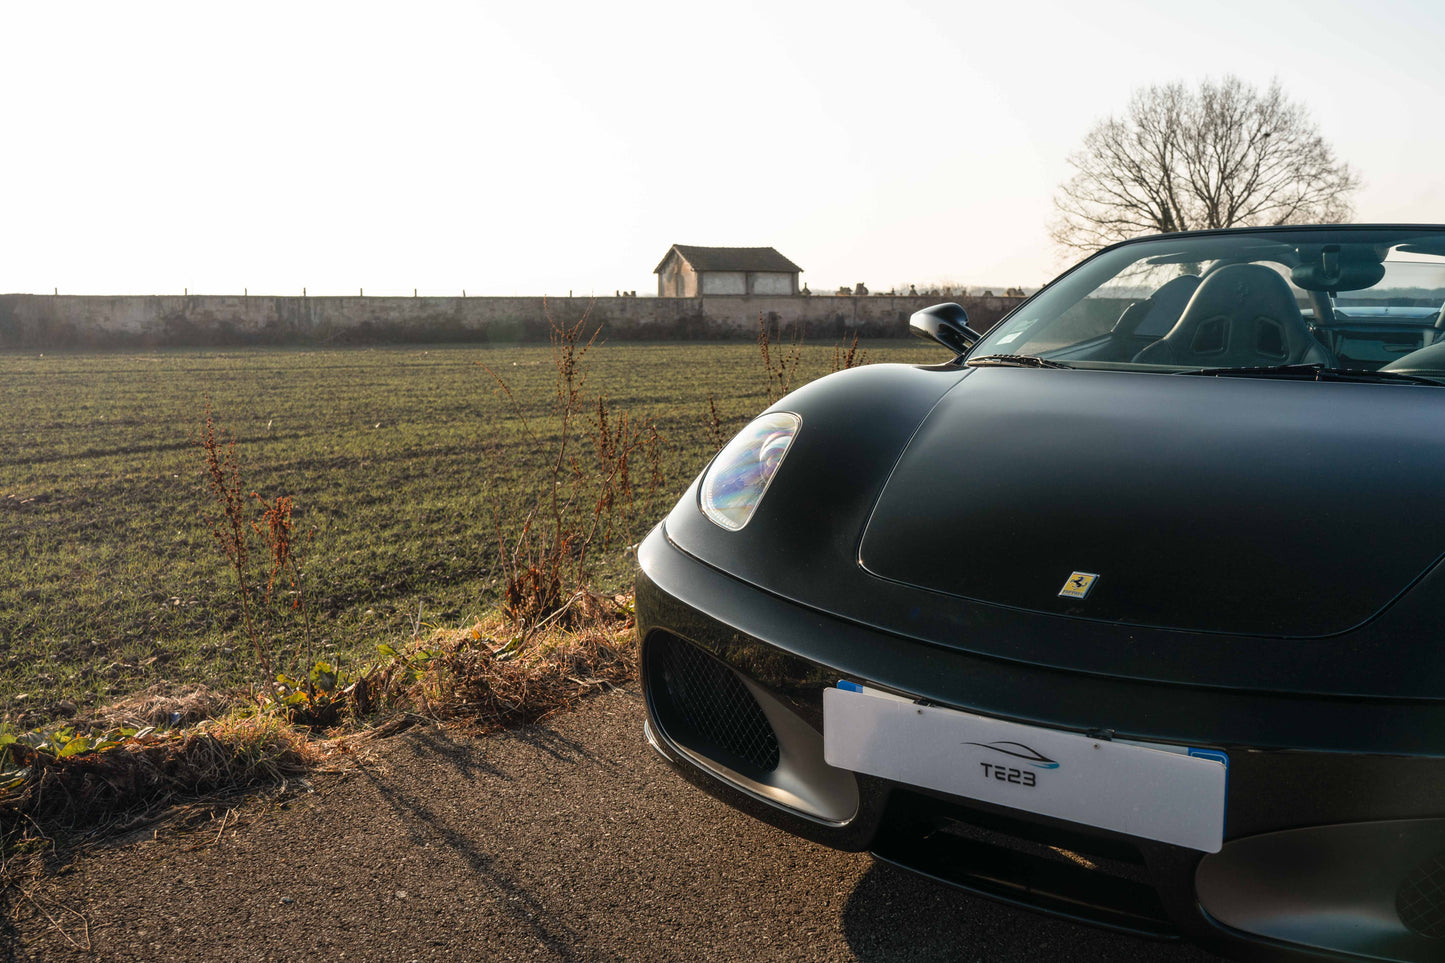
column 234, row 523
column 144, row 773
column 712, row 421
column 586, row 499
column 848, row 355
column 616, row 488
column 779, row 365
column 231, row 526
column 288, row 561
column 491, row 675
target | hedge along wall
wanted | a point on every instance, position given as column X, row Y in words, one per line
column 71, row 321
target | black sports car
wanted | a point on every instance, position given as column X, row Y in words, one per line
column 1130, row 611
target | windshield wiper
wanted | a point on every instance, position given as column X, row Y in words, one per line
column 1014, row 361
column 1314, row 372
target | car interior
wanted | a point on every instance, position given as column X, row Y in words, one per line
column 1359, row 305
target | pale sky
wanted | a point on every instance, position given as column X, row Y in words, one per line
column 537, row 148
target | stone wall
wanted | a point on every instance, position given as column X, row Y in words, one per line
column 57, row 321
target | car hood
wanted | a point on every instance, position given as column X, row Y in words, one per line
column 1233, row 505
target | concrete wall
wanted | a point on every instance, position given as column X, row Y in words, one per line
column 724, row 282
column 765, row 283
column 39, row 321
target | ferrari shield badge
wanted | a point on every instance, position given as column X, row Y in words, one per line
column 1078, row 585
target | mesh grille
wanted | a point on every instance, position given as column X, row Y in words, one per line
column 712, row 702
column 1421, row 899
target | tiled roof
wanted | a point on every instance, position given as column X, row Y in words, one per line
column 731, row 259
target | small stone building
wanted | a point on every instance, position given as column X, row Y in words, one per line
column 686, row 272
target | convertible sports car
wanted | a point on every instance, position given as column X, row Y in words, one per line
column 1129, row 610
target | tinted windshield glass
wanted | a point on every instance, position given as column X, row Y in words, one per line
column 1362, row 299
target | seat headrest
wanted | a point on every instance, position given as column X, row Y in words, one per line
column 1229, row 289
column 1167, row 304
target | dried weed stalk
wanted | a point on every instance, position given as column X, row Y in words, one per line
column 713, row 423
column 235, row 520
column 590, row 495
column 232, row 527
column 848, row 355
column 288, row 561
column 779, row 365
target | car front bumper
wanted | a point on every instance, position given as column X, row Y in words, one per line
column 1334, row 840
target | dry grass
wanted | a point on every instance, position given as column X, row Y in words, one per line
column 164, row 704
column 96, row 792
column 493, row 675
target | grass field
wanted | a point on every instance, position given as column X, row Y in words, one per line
column 402, row 459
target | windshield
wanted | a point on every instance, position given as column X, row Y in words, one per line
column 1331, row 299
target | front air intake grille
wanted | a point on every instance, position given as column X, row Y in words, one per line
column 1043, row 866
column 704, row 706
column 1421, row 898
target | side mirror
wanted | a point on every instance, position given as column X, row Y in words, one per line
column 947, row 324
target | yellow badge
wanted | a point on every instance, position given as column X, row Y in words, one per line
column 1078, row 585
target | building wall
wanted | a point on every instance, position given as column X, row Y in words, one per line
column 724, row 282
column 769, row 283
column 677, row 279
column 41, row 321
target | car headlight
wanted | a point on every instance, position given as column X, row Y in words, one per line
column 743, row 470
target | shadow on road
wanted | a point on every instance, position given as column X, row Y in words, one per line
column 546, row 739
column 894, row 915
column 466, row 756
column 425, row 823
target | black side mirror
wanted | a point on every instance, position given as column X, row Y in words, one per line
column 947, row 324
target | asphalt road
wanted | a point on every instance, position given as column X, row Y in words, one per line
column 563, row 841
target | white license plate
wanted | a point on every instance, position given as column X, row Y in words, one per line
column 1166, row 793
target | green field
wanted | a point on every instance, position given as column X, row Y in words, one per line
column 403, row 460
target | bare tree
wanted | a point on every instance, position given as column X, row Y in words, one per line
column 1181, row 160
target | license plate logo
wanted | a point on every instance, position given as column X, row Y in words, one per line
column 1012, row 762
column 1018, row 750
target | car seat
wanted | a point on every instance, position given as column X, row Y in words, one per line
column 1242, row 315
